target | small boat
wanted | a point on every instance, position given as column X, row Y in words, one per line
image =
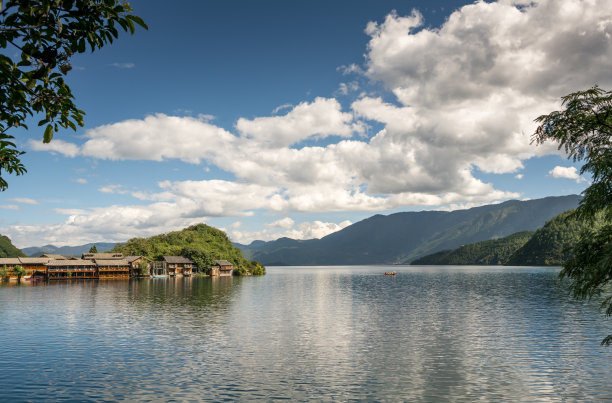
column 390, row 273
column 159, row 276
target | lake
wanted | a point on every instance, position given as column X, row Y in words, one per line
column 302, row 333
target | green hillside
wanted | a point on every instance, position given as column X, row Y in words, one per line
column 496, row 251
column 7, row 249
column 200, row 243
column 548, row 246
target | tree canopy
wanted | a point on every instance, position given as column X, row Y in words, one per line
column 38, row 39
column 584, row 130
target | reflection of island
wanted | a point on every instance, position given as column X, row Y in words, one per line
column 195, row 292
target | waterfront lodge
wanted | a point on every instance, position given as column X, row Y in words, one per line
column 105, row 266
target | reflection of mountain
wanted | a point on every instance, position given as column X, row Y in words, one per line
column 404, row 237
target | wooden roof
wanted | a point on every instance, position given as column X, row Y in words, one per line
column 52, row 256
column 9, row 260
column 223, row 263
column 70, row 262
column 34, row 260
column 176, row 259
column 112, row 262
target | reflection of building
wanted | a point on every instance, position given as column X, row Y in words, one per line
column 222, row 268
column 178, row 265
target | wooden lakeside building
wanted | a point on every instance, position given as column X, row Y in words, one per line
column 221, row 268
column 105, row 266
column 178, row 265
column 113, row 268
column 71, row 268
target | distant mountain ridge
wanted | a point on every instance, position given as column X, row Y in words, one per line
column 403, row 237
column 67, row 250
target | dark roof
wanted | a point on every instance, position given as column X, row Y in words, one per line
column 176, row 259
column 223, row 263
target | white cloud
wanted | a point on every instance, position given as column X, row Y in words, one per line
column 566, row 172
column 55, row 146
column 123, row 65
column 319, row 119
column 113, row 189
column 25, row 200
column 82, row 181
column 281, row 107
column 519, row 176
column 304, row 230
column 285, row 223
column 10, row 206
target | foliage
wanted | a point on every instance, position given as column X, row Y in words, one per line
column 492, row 252
column 44, row 35
column 19, row 272
column 552, row 244
column 143, row 268
column 7, row 249
column 200, row 243
column 93, row 249
column 584, row 130
column 4, row 272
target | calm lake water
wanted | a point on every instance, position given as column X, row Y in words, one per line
column 301, row 333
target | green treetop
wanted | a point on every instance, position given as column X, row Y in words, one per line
column 584, row 130
column 38, row 39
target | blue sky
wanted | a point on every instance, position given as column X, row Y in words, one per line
column 277, row 118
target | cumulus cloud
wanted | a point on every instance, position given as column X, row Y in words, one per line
column 466, row 94
column 319, row 119
column 566, row 172
column 285, row 223
column 304, row 230
column 82, row 181
column 55, row 146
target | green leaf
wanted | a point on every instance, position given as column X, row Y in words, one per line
column 48, row 134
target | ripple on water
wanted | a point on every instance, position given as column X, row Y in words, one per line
column 341, row 333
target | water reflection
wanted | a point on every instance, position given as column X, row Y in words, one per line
column 337, row 333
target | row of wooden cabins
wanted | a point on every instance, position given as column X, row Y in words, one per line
column 105, row 266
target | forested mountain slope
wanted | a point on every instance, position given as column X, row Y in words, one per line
column 495, row 251
column 7, row 249
column 404, row 237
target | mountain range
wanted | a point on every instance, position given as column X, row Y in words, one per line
column 401, row 238
column 66, row 250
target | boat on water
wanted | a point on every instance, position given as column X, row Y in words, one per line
column 390, row 273
column 159, row 276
